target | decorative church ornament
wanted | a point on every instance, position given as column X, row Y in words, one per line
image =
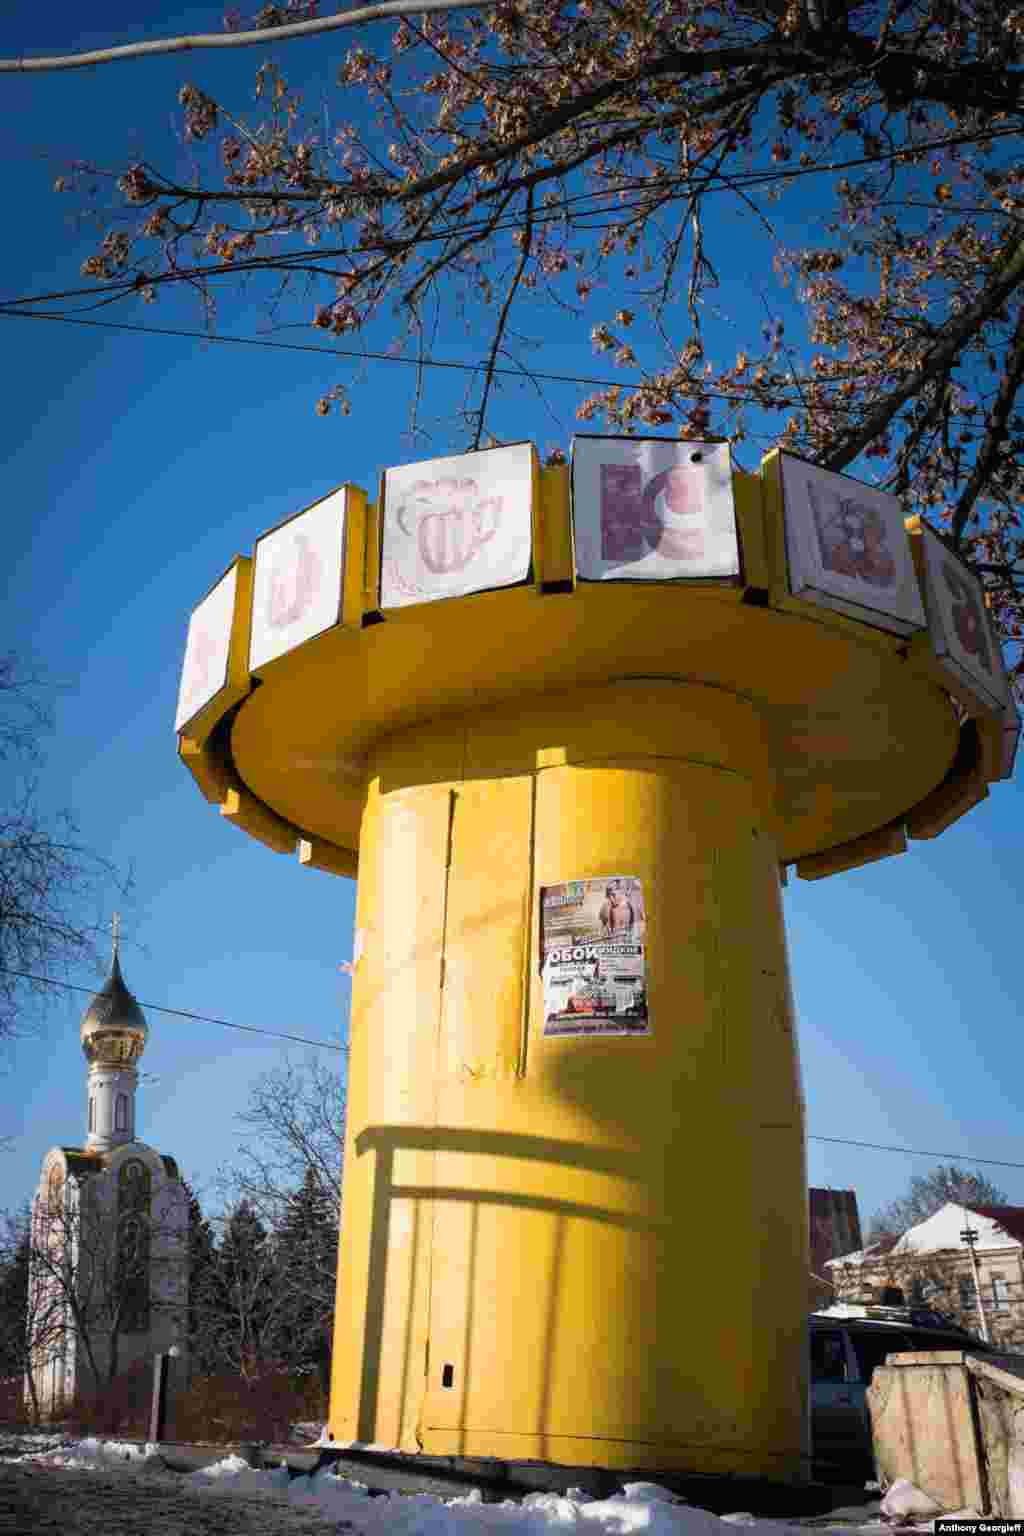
column 846, row 546
column 457, row 525
column 298, row 578
column 962, row 634
column 646, row 509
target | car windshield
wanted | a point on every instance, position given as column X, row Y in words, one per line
column 871, row 1347
column 828, row 1356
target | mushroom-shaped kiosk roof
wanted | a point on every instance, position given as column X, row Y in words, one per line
column 862, row 639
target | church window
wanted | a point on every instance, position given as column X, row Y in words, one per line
column 121, row 1113
column 92, row 1113
column 55, row 1190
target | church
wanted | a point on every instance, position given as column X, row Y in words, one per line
column 108, row 1278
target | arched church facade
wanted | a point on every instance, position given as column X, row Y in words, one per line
column 108, row 1278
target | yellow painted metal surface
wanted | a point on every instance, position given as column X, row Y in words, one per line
column 883, row 844
column 533, row 1262
column 314, row 853
column 244, row 811
column 861, row 738
column 553, row 540
column 962, row 788
column 212, row 772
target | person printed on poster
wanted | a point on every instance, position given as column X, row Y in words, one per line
column 617, row 914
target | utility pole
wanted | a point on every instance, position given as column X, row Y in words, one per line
column 969, row 1235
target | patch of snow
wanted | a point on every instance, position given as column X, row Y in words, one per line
column 640, row 1509
column 651, row 1493
column 357, row 1445
column 904, row 1501
column 92, row 1453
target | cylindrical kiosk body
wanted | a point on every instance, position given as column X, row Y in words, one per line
column 548, row 1244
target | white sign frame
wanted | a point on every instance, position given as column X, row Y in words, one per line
column 948, row 619
column 832, row 520
column 204, row 668
column 653, row 509
column 457, row 525
column 298, row 578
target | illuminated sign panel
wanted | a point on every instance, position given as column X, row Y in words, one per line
column 297, row 585
column 646, row 509
column 457, row 525
column 204, row 671
column 847, row 548
column 961, row 630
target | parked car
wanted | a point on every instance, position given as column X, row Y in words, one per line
column 847, row 1343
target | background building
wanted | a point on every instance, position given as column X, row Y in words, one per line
column 932, row 1266
column 835, row 1230
column 108, row 1278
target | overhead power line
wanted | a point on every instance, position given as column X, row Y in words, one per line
column 182, row 1013
column 748, row 398
column 955, row 1157
column 299, row 346
column 205, row 1018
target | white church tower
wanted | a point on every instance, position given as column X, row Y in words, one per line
column 114, row 1034
column 109, row 1260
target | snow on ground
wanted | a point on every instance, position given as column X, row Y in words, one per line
column 642, row 1507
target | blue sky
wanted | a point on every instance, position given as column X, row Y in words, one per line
column 134, row 469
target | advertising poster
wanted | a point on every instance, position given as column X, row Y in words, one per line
column 848, row 548
column 297, row 579
column 457, row 525
column 204, row 671
column 593, row 943
column 654, row 510
column 961, row 631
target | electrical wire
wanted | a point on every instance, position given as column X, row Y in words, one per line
column 205, row 1018
column 388, row 357
column 182, row 1013
column 296, row 346
column 956, row 1157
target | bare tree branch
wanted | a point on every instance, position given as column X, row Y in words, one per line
column 995, row 435
column 941, row 354
column 499, row 330
column 261, row 35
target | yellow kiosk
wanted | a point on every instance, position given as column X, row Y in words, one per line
column 571, row 726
